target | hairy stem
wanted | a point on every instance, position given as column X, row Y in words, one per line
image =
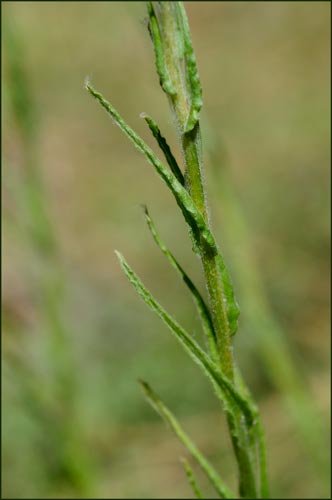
column 185, row 99
column 191, row 148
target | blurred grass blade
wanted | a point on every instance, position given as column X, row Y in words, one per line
column 191, row 478
column 69, row 454
column 165, row 148
column 193, row 217
column 18, row 88
column 231, row 398
column 193, row 84
column 164, row 412
column 153, row 26
column 31, row 189
column 198, row 299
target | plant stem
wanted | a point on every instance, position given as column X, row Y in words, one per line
column 190, row 142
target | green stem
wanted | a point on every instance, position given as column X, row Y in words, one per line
column 191, row 149
column 238, row 430
column 182, row 100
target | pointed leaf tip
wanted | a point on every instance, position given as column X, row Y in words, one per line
column 142, row 383
column 162, row 143
column 119, row 256
column 87, row 82
column 145, row 210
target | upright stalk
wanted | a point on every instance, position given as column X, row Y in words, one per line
column 190, row 142
column 178, row 76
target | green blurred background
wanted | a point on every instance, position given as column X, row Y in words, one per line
column 75, row 335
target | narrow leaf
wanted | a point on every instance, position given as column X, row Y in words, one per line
column 191, row 478
column 194, row 88
column 198, row 299
column 231, row 396
column 153, row 26
column 165, row 148
column 165, row 413
column 179, row 37
column 232, row 307
column 193, row 217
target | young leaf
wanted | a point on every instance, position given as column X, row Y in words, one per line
column 194, row 88
column 165, row 413
column 198, row 299
column 191, row 478
column 165, row 148
column 153, row 26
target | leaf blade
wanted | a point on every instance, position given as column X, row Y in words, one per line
column 153, row 26
column 165, row 148
column 193, row 83
column 166, row 414
column 191, row 478
column 197, row 298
